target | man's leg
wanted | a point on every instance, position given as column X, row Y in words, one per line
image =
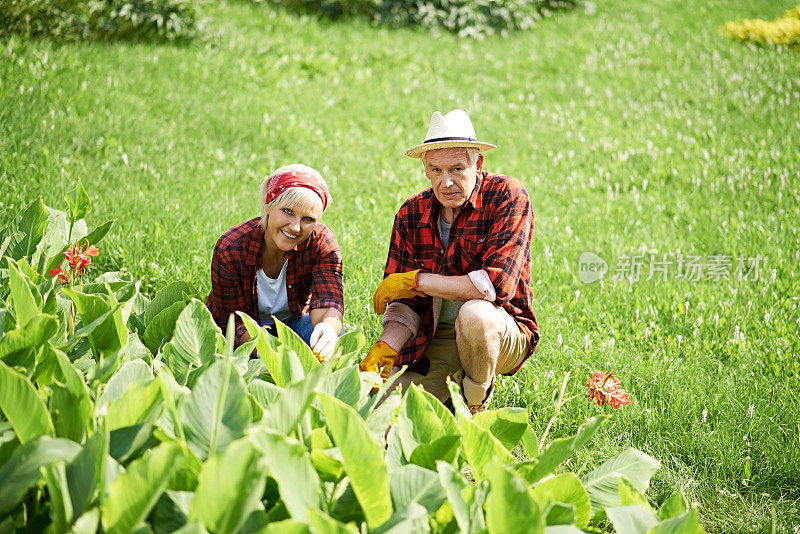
column 488, row 342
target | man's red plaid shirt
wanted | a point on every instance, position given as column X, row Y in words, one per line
column 313, row 276
column 492, row 232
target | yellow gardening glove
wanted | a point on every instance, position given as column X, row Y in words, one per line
column 380, row 359
column 396, row 286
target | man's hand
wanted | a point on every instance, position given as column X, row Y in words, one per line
column 380, row 359
column 323, row 339
column 396, row 286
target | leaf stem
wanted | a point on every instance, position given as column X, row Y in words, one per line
column 559, row 403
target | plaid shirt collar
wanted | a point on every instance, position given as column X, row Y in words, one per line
column 475, row 201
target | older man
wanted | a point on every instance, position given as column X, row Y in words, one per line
column 457, row 279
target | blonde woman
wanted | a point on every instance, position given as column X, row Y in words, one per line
column 284, row 264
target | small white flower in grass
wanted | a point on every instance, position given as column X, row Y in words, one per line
column 680, row 338
column 559, row 340
column 705, row 414
column 751, row 411
column 646, row 332
column 766, row 317
column 774, row 274
column 611, row 343
column 125, row 158
column 586, row 342
column 637, row 315
column 716, row 320
column 674, row 317
column 577, row 295
column 603, row 346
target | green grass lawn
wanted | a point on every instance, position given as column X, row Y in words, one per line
column 636, row 128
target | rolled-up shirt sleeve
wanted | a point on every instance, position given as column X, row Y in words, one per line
column 508, row 250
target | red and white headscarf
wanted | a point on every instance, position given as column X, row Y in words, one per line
column 279, row 183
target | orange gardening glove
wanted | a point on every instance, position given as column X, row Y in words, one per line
column 396, row 286
column 380, row 359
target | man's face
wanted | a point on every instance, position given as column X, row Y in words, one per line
column 451, row 175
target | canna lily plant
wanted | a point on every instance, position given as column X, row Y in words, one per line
column 145, row 419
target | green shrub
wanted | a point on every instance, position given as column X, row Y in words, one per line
column 465, row 17
column 70, row 20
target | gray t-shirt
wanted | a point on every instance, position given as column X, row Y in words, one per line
column 450, row 308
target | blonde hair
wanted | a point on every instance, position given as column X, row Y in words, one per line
column 300, row 198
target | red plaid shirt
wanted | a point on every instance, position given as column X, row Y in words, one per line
column 313, row 276
column 492, row 232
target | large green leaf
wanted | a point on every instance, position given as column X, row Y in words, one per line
column 229, row 487
column 23, row 469
column 480, row 447
column 162, row 325
column 26, row 297
column 290, row 465
column 602, row 484
column 289, row 337
column 633, row 519
column 194, row 340
column 265, row 348
column 27, row 339
column 322, row 523
column 134, row 493
column 78, row 201
column 347, row 348
column 412, row 483
column 111, row 334
column 455, row 487
column 174, row 293
column 217, row 410
column 344, row 384
column 510, row 508
column 412, row 518
column 86, row 472
column 22, row 406
column 65, row 413
column 61, row 514
column 506, row 424
column 26, row 230
column 673, row 506
column 687, row 523
column 285, row 413
column 559, row 450
column 566, row 488
column 362, row 458
column 417, row 422
column 127, row 375
column 141, row 403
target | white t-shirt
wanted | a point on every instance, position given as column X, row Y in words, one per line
column 272, row 297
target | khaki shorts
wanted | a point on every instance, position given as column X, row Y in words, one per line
column 443, row 355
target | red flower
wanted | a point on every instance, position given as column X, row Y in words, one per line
column 79, row 258
column 63, row 278
column 605, row 388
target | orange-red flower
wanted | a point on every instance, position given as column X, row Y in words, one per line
column 604, row 388
column 79, row 257
column 63, row 278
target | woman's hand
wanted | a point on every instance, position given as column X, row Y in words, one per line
column 322, row 341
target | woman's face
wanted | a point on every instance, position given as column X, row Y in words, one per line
column 288, row 226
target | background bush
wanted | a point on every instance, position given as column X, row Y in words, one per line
column 464, row 17
column 71, row 20
column 781, row 31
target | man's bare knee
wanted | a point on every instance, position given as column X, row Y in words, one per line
column 477, row 321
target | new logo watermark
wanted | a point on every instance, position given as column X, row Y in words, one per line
column 636, row 267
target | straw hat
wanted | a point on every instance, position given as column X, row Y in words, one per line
column 449, row 131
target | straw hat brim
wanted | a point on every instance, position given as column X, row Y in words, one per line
column 417, row 151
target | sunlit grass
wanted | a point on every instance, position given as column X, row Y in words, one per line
column 636, row 128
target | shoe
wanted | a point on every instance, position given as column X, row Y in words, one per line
column 476, row 395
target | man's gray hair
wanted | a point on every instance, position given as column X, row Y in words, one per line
column 471, row 152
